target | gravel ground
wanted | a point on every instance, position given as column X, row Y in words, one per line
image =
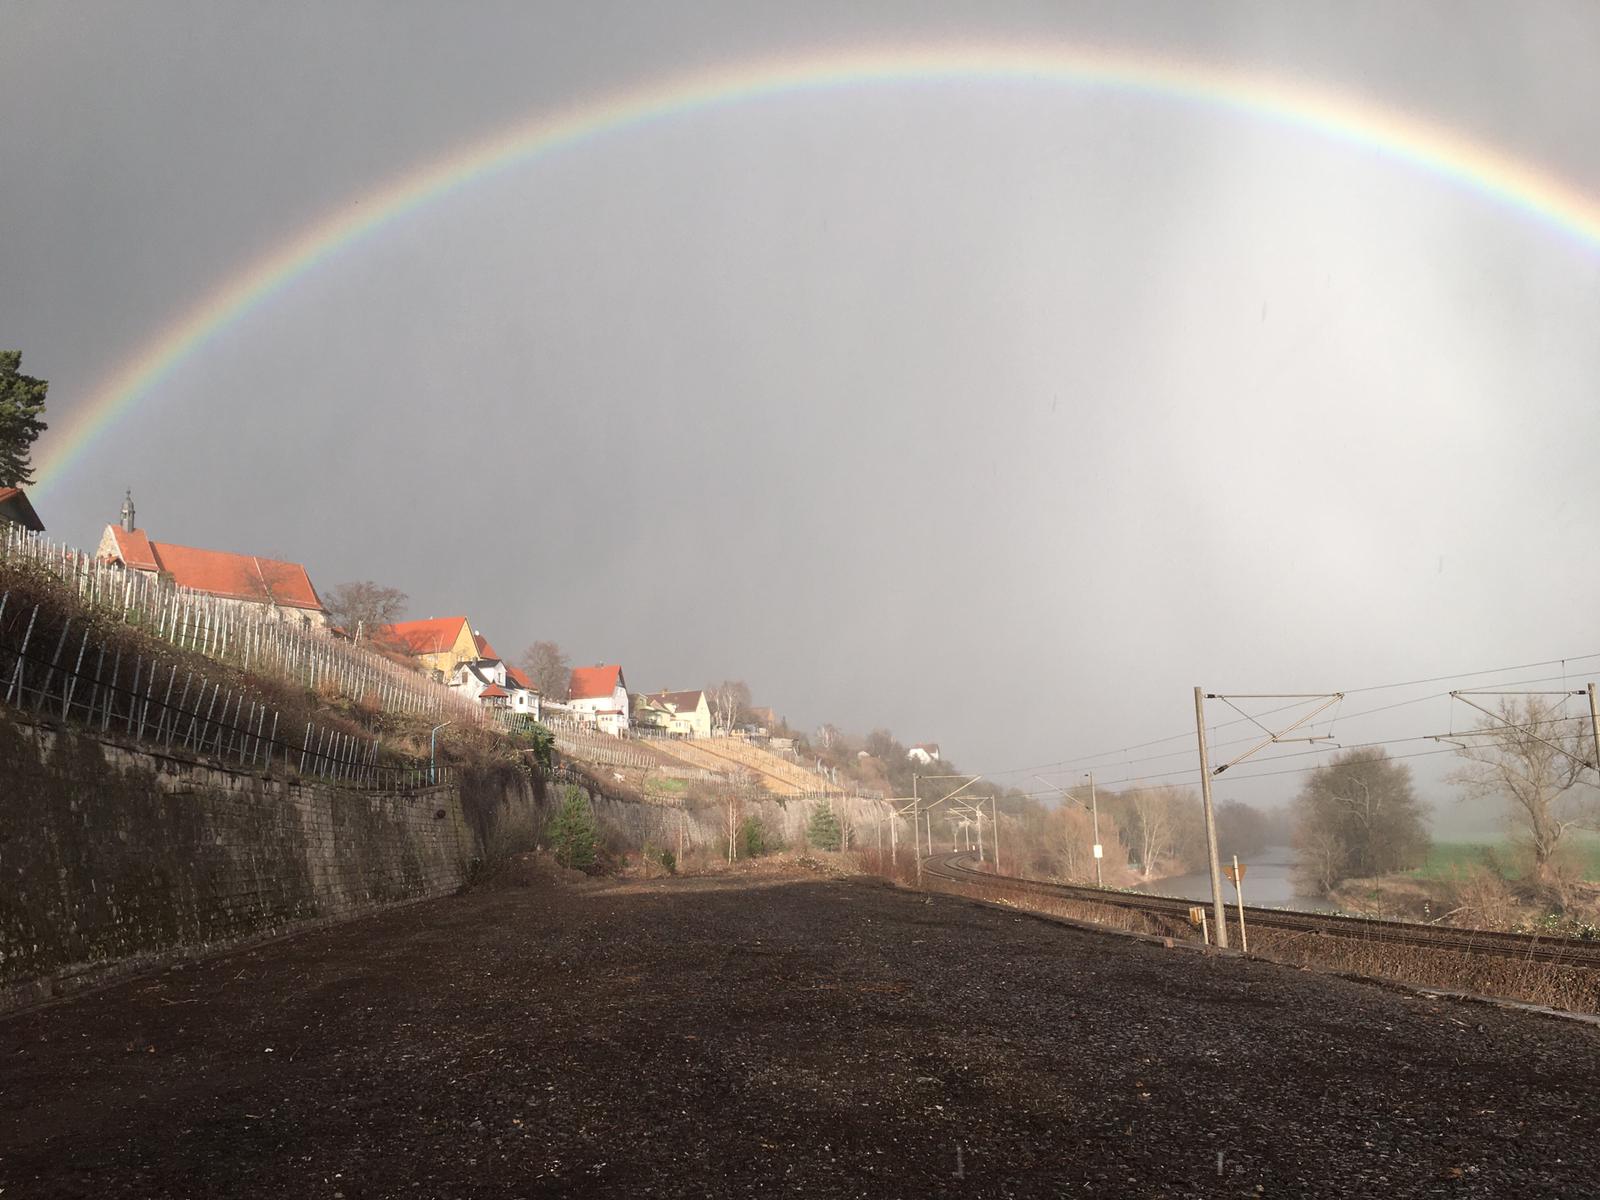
column 778, row 1035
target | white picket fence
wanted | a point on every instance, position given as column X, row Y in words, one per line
column 267, row 641
column 583, row 742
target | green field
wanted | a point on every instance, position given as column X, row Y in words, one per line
column 1446, row 859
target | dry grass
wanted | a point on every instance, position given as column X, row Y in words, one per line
column 1575, row 989
column 872, row 861
column 1555, row 985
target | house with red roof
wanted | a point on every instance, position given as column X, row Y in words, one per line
column 15, row 509
column 488, row 679
column 439, row 644
column 281, row 588
column 677, row 714
column 599, row 696
column 525, row 697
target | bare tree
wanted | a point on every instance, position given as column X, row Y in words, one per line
column 881, row 744
column 363, row 606
column 734, row 808
column 1154, row 824
column 548, row 667
column 847, row 825
column 1069, row 837
column 1319, row 861
column 1362, row 802
column 729, row 699
column 1530, row 757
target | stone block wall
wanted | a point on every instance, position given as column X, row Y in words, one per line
column 114, row 855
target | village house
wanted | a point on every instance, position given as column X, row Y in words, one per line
column 677, row 714
column 16, row 510
column 280, row 588
column 762, row 721
column 480, row 679
column 599, row 696
column 487, row 679
column 439, row 644
column 525, row 698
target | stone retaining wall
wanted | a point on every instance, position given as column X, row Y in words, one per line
column 114, row 856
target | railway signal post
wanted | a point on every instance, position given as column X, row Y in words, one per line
column 1236, row 877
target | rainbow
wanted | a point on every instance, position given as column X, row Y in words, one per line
column 1517, row 185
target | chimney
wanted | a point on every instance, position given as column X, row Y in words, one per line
column 127, row 512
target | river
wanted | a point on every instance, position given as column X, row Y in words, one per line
column 1266, row 882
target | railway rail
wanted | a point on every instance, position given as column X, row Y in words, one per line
column 1573, row 952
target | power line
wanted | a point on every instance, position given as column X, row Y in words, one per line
column 1346, row 717
column 1244, row 775
column 1378, row 687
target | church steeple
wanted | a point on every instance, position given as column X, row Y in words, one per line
column 127, row 512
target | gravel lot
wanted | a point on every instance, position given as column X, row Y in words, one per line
column 776, row 1034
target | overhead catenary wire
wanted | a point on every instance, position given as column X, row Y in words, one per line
column 1188, row 735
column 1242, row 776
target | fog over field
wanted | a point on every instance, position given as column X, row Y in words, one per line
column 999, row 411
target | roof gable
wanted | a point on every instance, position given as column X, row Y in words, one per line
column 433, row 636
column 14, row 505
column 594, row 683
column 133, row 548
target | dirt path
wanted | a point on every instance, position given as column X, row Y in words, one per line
column 769, row 1037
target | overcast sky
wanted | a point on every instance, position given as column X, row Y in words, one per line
column 1000, row 415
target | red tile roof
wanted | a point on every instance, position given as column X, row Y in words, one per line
column 593, row 683
column 220, row 573
column 484, row 649
column 494, row 690
column 433, row 636
column 134, row 549
column 522, row 681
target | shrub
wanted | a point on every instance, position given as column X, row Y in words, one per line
column 753, row 838
column 573, row 834
column 823, row 831
column 538, row 738
column 659, row 856
column 1480, row 896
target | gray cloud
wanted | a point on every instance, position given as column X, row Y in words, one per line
column 997, row 414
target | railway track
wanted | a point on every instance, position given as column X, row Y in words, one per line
column 1572, row 952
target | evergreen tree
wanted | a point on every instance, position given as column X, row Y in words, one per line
column 753, row 837
column 823, row 832
column 573, row 833
column 21, row 402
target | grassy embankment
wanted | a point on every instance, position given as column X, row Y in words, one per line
column 1448, row 860
column 1489, row 884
